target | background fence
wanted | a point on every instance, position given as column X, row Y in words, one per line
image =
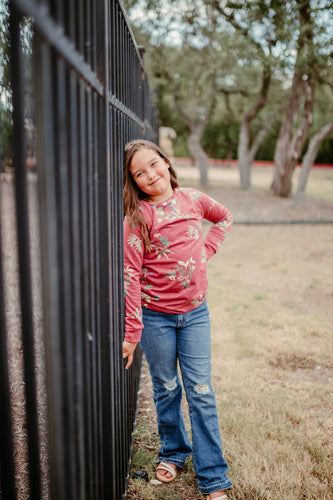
column 86, row 94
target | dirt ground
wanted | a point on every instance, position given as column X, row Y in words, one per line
column 271, row 305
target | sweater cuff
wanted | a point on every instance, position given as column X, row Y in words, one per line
column 134, row 336
column 210, row 251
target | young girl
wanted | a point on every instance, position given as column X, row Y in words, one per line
column 166, row 311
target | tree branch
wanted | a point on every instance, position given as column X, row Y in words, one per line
column 266, row 80
column 301, row 133
column 231, row 19
column 261, row 136
column 182, row 113
column 227, row 92
column 309, row 159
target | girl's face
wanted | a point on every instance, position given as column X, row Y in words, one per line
column 151, row 174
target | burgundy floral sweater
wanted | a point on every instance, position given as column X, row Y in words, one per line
column 172, row 277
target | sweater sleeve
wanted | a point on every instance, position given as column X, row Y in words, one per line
column 221, row 218
column 133, row 257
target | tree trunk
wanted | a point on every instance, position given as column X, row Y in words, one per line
column 196, row 151
column 196, row 131
column 260, row 137
column 308, row 161
column 245, row 156
column 244, row 164
column 283, row 141
column 288, row 150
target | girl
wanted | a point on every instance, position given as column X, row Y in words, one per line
column 165, row 258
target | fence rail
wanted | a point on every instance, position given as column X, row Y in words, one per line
column 89, row 97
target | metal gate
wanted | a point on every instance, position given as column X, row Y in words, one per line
column 90, row 96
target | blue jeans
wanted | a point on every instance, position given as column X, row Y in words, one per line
column 167, row 338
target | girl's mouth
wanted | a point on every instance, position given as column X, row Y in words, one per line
column 154, row 182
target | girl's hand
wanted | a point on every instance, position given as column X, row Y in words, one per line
column 128, row 351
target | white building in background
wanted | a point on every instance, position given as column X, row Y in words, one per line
column 167, row 135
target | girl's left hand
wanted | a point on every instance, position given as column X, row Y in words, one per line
column 128, row 352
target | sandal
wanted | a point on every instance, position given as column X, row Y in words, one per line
column 167, row 467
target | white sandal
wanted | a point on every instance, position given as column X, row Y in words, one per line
column 168, row 468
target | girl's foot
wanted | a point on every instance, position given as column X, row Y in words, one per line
column 166, row 472
column 217, row 495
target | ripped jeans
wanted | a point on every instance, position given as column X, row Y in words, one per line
column 167, row 338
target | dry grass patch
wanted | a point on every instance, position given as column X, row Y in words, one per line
column 271, row 305
column 275, row 396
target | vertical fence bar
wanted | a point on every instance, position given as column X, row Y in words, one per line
column 48, row 219
column 85, row 279
column 65, row 271
column 74, row 186
column 102, row 398
column 21, row 198
column 95, row 293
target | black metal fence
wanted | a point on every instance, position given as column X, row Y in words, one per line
column 90, row 96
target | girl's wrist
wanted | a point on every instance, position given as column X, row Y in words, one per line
column 133, row 337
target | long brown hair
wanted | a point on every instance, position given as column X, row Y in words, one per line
column 132, row 193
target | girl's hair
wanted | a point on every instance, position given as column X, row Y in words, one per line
column 132, row 193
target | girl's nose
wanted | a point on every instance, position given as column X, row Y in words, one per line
column 151, row 173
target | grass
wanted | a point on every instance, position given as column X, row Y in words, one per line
column 270, row 298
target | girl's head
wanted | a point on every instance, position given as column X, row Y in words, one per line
column 135, row 188
column 132, row 182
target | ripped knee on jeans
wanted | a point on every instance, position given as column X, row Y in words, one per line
column 171, row 385
column 202, row 389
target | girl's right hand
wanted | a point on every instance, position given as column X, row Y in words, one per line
column 128, row 352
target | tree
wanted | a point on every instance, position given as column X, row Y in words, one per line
column 6, row 125
column 5, row 90
column 196, row 129
column 290, row 141
column 280, row 21
column 241, row 17
column 197, row 110
column 309, row 159
column 190, row 69
column 289, row 147
column 246, row 151
column 249, row 52
column 312, row 62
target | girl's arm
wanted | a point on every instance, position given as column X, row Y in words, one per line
column 133, row 258
column 221, row 218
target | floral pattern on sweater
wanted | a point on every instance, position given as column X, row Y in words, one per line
column 172, row 276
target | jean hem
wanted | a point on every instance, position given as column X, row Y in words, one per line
column 216, row 486
column 170, row 460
